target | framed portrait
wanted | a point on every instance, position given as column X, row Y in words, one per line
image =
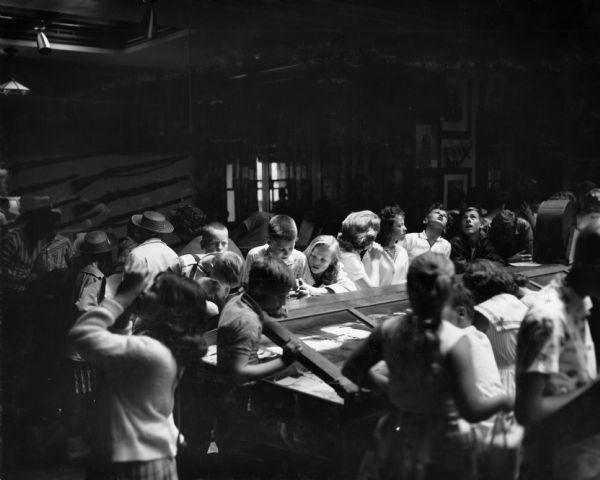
column 457, row 152
column 456, row 186
column 455, row 109
column 426, row 148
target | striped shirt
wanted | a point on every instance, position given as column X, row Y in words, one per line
column 17, row 259
column 505, row 314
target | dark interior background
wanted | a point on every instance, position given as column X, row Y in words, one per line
column 332, row 90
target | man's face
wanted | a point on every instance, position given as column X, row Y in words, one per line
column 281, row 249
column 470, row 223
column 217, row 242
column 438, row 217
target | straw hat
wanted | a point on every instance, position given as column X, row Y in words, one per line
column 98, row 242
column 152, row 221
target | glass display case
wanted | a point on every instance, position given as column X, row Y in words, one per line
column 298, row 412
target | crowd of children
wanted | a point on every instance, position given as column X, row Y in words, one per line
column 465, row 351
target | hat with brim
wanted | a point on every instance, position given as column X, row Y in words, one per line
column 97, row 242
column 153, row 222
column 30, row 205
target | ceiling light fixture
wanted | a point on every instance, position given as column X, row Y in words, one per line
column 12, row 87
column 149, row 20
column 43, row 44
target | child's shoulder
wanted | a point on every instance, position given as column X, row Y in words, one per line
column 91, row 270
column 259, row 251
column 299, row 255
column 236, row 309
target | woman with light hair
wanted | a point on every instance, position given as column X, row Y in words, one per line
column 325, row 273
column 357, row 240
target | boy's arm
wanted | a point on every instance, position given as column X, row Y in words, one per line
column 243, row 372
column 472, row 406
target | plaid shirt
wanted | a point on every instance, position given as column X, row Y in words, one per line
column 17, row 259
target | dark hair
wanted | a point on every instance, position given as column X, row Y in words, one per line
column 463, row 297
column 387, row 215
column 429, row 287
column 471, row 208
column 355, row 227
column 563, row 195
column 104, row 258
column 503, row 220
column 330, row 275
column 182, row 317
column 282, row 227
column 269, row 274
column 587, row 247
column 487, row 279
column 591, row 201
column 583, row 187
column 496, row 198
column 187, row 220
column 436, row 206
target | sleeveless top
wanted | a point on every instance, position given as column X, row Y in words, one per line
column 407, row 390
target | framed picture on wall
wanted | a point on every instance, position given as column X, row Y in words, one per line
column 456, row 186
column 457, row 152
column 455, row 109
column 426, row 148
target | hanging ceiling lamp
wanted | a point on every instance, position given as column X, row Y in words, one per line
column 149, row 20
column 43, row 44
column 12, row 87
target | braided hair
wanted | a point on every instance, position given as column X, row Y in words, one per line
column 429, row 286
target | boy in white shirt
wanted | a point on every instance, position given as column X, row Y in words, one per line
column 430, row 239
column 460, row 312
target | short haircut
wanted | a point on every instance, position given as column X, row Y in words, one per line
column 187, row 220
column 269, row 274
column 463, row 297
column 227, row 267
column 436, row 206
column 504, row 220
column 355, row 229
column 282, row 227
column 209, row 229
column 471, row 208
column 563, row 195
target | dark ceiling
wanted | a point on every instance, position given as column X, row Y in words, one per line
column 238, row 36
